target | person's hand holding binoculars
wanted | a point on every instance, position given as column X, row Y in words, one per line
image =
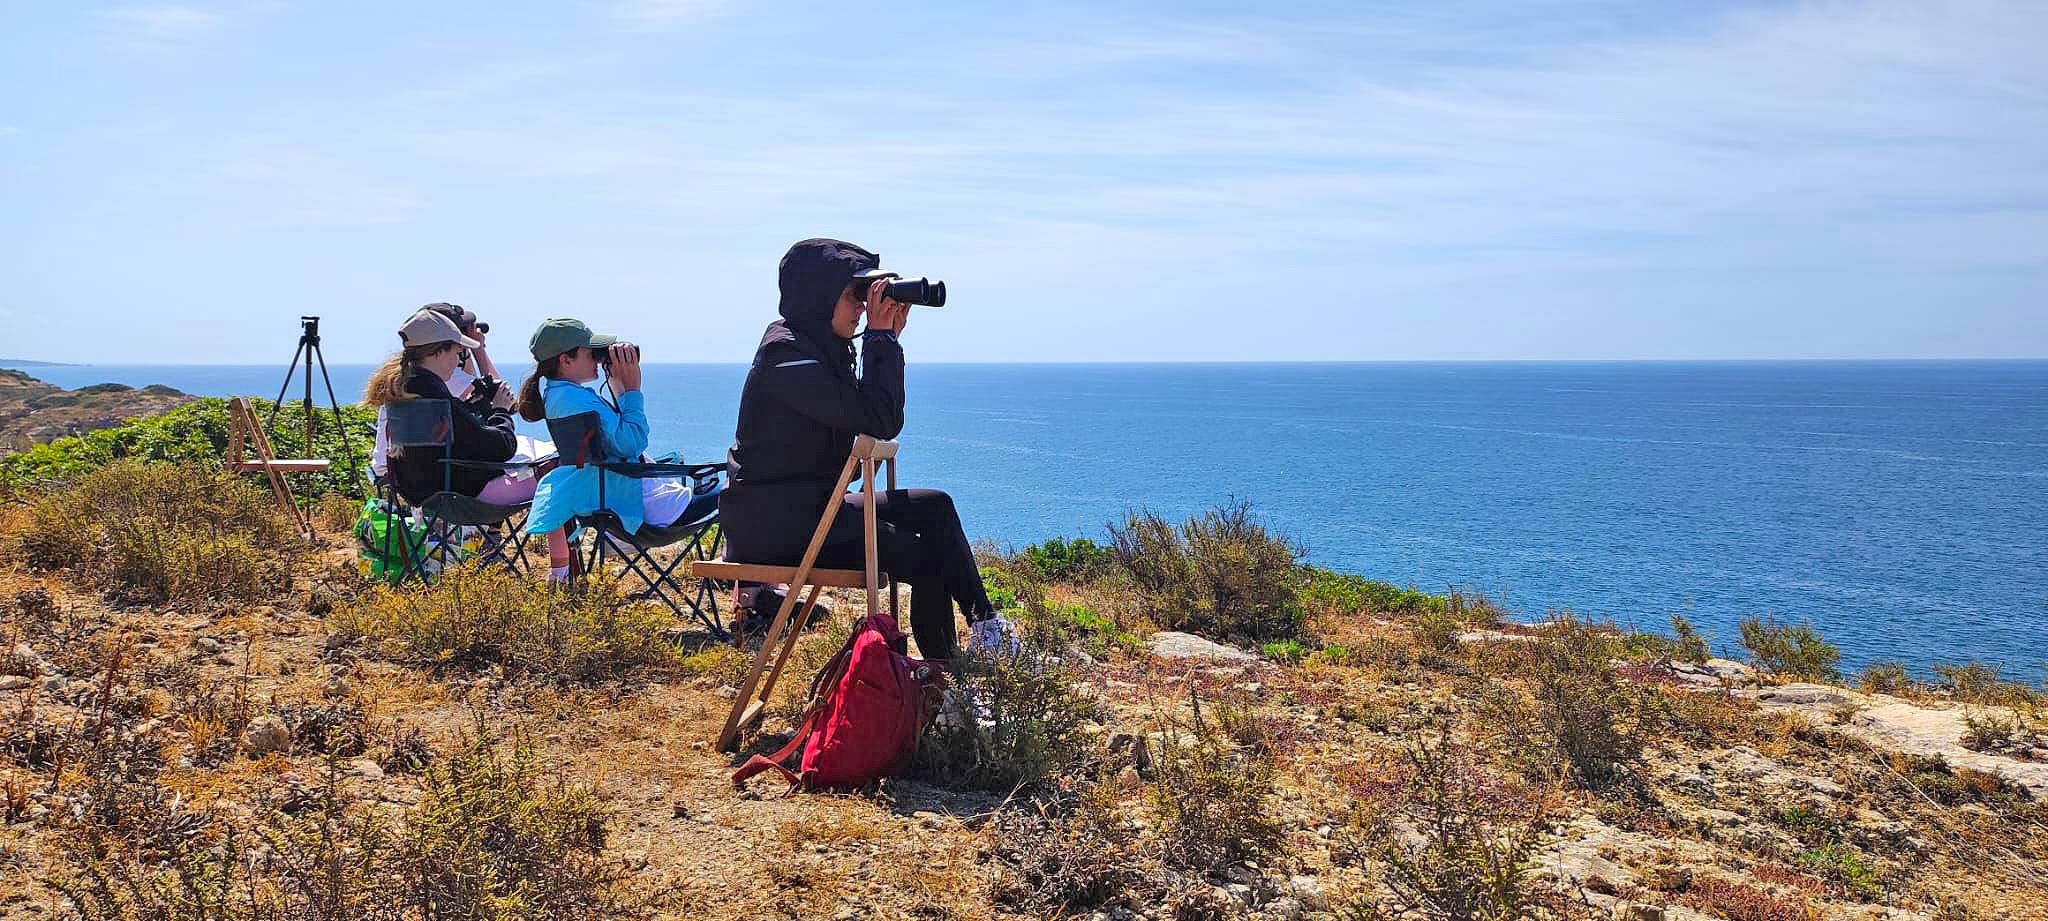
column 885, row 312
column 624, row 366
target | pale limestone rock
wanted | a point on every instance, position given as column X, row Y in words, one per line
column 266, row 734
column 1168, row 644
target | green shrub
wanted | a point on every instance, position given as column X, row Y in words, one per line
column 1788, row 649
column 1970, row 681
column 472, row 616
column 1097, row 632
column 1219, row 574
column 161, row 532
column 198, row 433
column 1063, row 560
column 1453, row 843
column 1686, row 644
column 1846, row 868
column 1288, row 652
column 1010, row 720
column 1887, row 678
column 1978, row 683
column 1437, row 629
column 1584, row 719
column 1209, row 791
column 490, row 838
column 1346, row 593
column 1989, row 731
column 1683, row 645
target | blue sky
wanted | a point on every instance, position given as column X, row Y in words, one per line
column 1534, row 179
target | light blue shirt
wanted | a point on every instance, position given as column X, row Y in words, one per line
column 570, row 491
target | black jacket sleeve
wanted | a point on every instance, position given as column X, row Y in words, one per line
column 872, row 405
column 483, row 436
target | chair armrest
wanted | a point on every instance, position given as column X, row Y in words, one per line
column 502, row 466
column 870, row 446
column 641, row 471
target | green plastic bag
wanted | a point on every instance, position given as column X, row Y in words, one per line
column 374, row 527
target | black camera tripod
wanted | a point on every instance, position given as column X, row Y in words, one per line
column 309, row 349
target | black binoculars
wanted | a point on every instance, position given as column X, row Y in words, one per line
column 921, row 291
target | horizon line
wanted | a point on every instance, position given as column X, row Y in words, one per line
column 28, row 364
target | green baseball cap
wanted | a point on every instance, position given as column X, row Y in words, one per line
column 561, row 335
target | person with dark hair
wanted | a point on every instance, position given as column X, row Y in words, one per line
column 571, row 366
column 800, row 409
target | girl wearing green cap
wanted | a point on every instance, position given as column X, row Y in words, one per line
column 568, row 357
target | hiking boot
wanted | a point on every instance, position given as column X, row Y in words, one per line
column 757, row 616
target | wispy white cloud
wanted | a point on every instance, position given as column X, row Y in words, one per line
column 1575, row 155
column 655, row 15
column 264, row 182
column 164, row 24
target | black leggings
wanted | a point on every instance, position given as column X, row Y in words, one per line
column 919, row 541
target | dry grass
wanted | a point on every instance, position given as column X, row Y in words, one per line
column 472, row 617
column 1011, row 721
column 162, row 532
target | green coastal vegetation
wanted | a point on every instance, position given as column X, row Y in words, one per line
column 208, row 717
column 198, row 433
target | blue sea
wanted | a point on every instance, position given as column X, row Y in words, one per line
column 1901, row 507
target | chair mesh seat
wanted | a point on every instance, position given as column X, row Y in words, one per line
column 458, row 509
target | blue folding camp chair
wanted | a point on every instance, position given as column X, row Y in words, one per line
column 694, row 536
column 425, row 423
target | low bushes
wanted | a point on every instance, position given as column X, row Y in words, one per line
column 1580, row 717
column 1683, row 645
column 1887, row 678
column 162, row 532
column 1219, row 574
column 1069, row 856
column 1793, row 650
column 474, row 616
column 1452, row 842
column 1210, row 788
column 490, row 839
column 1012, row 720
column 198, row 433
column 1063, row 560
column 1346, row 593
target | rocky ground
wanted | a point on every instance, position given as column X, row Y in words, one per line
column 1759, row 801
column 33, row 412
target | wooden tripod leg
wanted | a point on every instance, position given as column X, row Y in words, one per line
column 796, row 629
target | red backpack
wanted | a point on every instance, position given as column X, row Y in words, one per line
column 869, row 706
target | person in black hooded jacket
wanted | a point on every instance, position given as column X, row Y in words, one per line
column 800, row 410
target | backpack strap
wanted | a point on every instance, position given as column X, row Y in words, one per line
column 759, row 763
column 822, row 685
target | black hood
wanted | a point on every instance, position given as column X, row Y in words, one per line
column 813, row 273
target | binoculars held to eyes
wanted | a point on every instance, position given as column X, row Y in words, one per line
column 922, row 291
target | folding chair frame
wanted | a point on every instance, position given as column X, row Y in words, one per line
column 637, row 555
column 807, row 580
column 414, row 554
column 700, row 603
